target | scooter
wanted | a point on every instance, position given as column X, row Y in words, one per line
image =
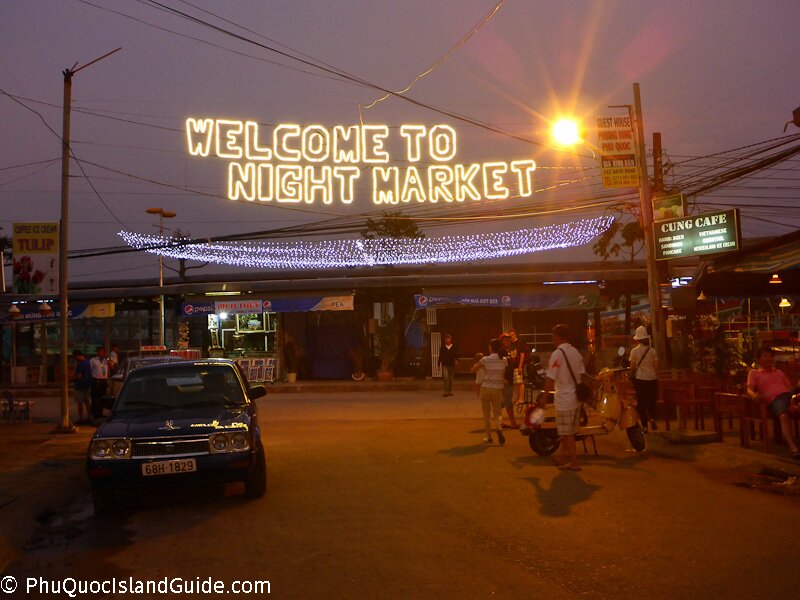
column 607, row 411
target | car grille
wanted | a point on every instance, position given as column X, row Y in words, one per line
column 169, row 447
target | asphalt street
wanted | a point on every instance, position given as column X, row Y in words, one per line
column 395, row 496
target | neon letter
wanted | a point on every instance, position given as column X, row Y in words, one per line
column 412, row 186
column 289, row 186
column 346, row 147
column 282, row 151
column 413, row 133
column 199, row 147
column 493, row 187
column 323, row 184
column 439, row 178
column 316, row 143
column 442, row 141
column 465, row 184
column 229, row 143
column 524, row 170
column 252, row 150
column 372, row 142
column 346, row 177
column 388, row 177
column 266, row 182
column 242, row 181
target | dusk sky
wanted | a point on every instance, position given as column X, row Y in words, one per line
column 715, row 76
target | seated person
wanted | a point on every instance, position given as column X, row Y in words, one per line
column 772, row 387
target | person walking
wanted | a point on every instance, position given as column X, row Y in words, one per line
column 447, row 358
column 506, row 352
column 99, row 370
column 563, row 371
column 644, row 369
column 82, row 381
column 494, row 369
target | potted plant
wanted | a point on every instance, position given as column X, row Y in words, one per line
column 388, row 338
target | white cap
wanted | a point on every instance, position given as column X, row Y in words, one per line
column 641, row 333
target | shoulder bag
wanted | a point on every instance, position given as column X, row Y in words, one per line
column 582, row 390
column 639, row 364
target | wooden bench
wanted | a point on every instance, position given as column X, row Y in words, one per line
column 727, row 405
column 681, row 396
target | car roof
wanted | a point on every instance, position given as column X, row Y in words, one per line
column 200, row 362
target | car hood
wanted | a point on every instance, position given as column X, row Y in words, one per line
column 175, row 423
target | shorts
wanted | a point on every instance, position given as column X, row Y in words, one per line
column 567, row 421
column 508, row 395
column 780, row 404
column 83, row 396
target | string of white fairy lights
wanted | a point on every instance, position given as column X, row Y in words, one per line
column 371, row 252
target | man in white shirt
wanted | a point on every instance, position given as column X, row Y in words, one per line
column 99, row 367
column 563, row 359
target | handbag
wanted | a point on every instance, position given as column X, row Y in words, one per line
column 632, row 374
column 582, row 390
column 518, row 376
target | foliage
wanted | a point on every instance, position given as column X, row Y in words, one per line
column 392, row 224
column 621, row 238
column 388, row 338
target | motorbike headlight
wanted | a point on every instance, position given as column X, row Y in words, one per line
column 110, row 448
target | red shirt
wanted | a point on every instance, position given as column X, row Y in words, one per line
column 768, row 384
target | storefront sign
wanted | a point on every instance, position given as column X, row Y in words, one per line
column 314, row 164
column 517, row 301
column 31, row 312
column 236, row 307
column 190, row 309
column 617, row 152
column 305, row 304
column 35, row 259
column 709, row 233
column 669, row 207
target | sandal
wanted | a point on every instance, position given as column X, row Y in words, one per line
column 570, row 467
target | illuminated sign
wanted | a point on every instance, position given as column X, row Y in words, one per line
column 708, row 233
column 617, row 152
column 312, row 164
column 35, row 258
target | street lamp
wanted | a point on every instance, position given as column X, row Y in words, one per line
column 162, row 214
column 565, row 132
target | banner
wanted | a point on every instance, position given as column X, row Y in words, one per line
column 516, row 301
column 30, row 312
column 35, row 259
column 617, row 152
column 238, row 307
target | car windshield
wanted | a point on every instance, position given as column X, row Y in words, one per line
column 180, row 387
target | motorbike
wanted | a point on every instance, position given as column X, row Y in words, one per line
column 606, row 411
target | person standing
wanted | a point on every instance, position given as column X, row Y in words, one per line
column 563, row 371
column 644, row 369
column 494, row 371
column 447, row 358
column 518, row 358
column 82, row 381
column 99, row 370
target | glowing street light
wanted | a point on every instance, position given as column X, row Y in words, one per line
column 566, row 132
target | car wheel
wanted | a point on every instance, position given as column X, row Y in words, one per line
column 256, row 483
column 103, row 499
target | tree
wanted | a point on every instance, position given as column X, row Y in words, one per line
column 626, row 238
column 392, row 224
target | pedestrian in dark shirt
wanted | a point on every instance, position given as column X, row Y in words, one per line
column 447, row 358
column 82, row 380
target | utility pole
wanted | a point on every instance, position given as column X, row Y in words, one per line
column 65, row 426
column 653, row 290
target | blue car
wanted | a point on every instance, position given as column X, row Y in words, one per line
column 178, row 423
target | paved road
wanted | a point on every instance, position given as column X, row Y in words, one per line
column 396, row 497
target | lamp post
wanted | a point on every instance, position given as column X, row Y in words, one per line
column 63, row 288
column 162, row 214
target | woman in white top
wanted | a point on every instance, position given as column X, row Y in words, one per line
column 644, row 366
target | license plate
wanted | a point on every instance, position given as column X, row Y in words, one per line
column 169, row 467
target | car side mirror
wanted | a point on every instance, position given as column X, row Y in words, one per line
column 257, row 391
column 117, row 377
column 621, row 351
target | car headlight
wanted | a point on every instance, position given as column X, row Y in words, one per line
column 229, row 442
column 110, row 448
